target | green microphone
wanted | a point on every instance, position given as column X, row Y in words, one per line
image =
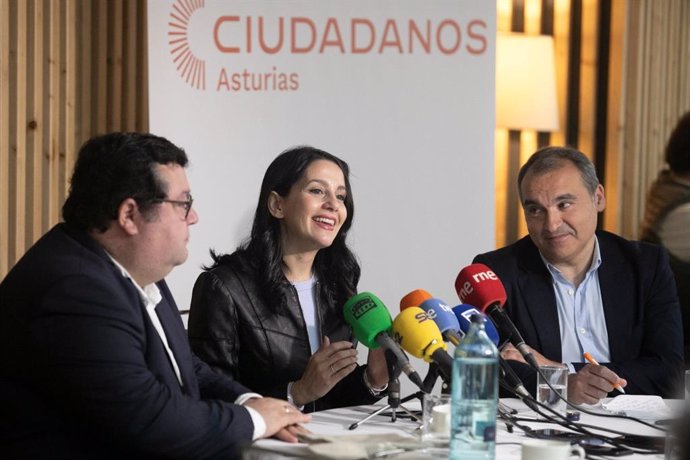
column 371, row 324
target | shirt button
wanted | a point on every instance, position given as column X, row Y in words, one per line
column 571, row 292
column 583, row 330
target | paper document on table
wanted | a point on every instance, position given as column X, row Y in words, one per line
column 639, row 406
column 359, row 447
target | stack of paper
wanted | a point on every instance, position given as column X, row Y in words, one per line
column 639, row 406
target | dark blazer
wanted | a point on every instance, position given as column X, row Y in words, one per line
column 640, row 307
column 233, row 329
column 84, row 374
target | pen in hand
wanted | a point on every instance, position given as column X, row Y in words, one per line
column 590, row 359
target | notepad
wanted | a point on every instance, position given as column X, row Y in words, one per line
column 639, row 406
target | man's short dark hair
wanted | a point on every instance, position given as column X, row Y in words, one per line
column 113, row 167
column 550, row 159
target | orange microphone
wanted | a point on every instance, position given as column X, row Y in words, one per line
column 414, row 299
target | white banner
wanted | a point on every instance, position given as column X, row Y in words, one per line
column 403, row 90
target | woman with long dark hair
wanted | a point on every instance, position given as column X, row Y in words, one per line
column 270, row 315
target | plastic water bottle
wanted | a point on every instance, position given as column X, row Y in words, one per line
column 474, row 395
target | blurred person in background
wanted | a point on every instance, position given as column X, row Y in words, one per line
column 667, row 216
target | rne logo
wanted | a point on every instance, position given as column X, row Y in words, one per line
column 484, row 276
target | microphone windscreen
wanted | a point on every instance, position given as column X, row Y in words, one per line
column 417, row 333
column 464, row 312
column 414, row 299
column 441, row 313
column 478, row 285
column 368, row 317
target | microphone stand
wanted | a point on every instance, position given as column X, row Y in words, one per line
column 394, row 401
column 430, row 380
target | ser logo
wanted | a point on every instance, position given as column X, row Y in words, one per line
column 423, row 316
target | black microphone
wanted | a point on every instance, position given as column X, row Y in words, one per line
column 512, row 380
column 477, row 285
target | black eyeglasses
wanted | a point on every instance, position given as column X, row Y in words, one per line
column 186, row 205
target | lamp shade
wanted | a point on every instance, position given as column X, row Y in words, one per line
column 526, row 82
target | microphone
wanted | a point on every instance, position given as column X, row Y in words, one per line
column 464, row 312
column 444, row 318
column 512, row 380
column 477, row 285
column 370, row 322
column 419, row 336
column 414, row 298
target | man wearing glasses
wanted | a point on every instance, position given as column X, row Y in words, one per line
column 94, row 359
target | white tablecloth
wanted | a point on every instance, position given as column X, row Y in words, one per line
column 335, row 423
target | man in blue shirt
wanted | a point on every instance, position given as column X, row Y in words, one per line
column 572, row 289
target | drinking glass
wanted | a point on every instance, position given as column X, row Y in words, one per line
column 436, row 419
column 557, row 376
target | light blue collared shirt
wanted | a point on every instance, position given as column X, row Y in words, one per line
column 581, row 314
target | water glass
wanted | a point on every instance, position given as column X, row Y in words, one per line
column 557, row 376
column 436, row 419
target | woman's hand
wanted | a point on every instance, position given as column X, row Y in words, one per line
column 326, row 367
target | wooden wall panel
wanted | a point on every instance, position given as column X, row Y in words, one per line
column 52, row 105
column 100, row 26
column 35, row 128
column 614, row 124
column 655, row 76
column 129, row 97
column 84, row 96
column 587, row 80
column 4, row 136
column 68, row 70
column 70, row 138
column 561, row 37
column 17, row 160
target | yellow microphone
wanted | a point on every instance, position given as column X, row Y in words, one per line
column 419, row 335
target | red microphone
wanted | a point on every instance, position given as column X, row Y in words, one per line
column 478, row 285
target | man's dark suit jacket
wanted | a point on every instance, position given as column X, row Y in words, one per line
column 640, row 306
column 84, row 374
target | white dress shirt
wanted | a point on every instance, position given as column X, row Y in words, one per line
column 151, row 296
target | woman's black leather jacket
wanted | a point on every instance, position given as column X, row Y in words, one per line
column 233, row 330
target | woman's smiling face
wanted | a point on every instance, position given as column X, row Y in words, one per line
column 313, row 211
